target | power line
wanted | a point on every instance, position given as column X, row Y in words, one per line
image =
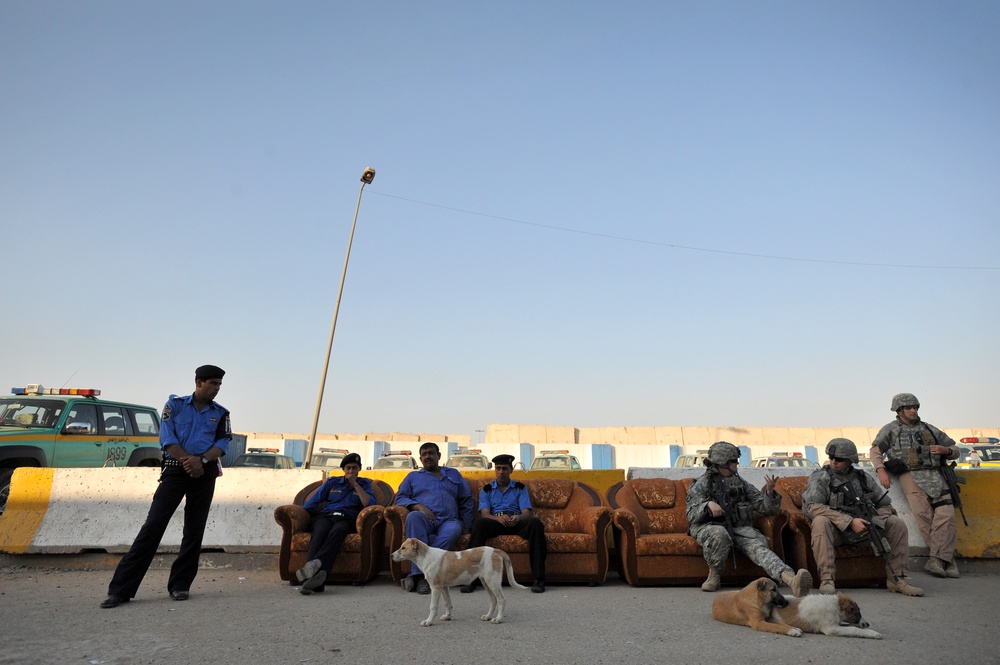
column 690, row 248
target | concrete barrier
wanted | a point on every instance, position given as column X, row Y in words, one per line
column 60, row 511
column 980, row 496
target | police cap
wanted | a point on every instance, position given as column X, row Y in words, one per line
column 206, row 372
column 504, row 459
column 350, row 458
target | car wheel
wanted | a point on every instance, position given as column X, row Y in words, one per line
column 5, row 475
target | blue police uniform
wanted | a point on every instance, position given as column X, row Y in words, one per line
column 335, row 507
column 449, row 499
column 511, row 500
column 196, row 432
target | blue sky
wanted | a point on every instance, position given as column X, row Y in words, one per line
column 571, row 221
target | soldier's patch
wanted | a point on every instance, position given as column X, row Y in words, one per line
column 166, row 412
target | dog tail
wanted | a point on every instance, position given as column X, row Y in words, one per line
column 510, row 570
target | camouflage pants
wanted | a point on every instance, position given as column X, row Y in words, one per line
column 938, row 526
column 826, row 536
column 717, row 545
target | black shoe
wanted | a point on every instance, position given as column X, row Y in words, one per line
column 538, row 586
column 113, row 601
column 423, row 587
column 469, row 588
column 313, row 582
column 409, row 583
column 179, row 595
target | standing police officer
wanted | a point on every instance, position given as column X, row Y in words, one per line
column 720, row 507
column 505, row 509
column 194, row 434
column 914, row 451
column 832, row 501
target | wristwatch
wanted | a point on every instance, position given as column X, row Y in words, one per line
column 204, row 460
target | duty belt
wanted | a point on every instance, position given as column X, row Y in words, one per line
column 507, row 512
column 172, row 462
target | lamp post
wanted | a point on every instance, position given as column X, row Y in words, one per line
column 366, row 179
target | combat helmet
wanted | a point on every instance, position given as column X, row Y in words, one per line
column 843, row 448
column 904, row 399
column 721, row 453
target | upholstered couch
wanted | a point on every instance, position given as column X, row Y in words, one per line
column 576, row 527
column 653, row 545
column 360, row 555
column 857, row 565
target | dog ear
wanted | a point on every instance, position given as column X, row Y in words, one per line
column 762, row 584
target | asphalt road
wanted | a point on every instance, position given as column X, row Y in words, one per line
column 239, row 615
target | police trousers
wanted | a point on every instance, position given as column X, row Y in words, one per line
column 530, row 528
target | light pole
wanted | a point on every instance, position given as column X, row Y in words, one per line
column 366, row 179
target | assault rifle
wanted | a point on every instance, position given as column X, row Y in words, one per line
column 876, row 533
column 954, row 480
column 726, row 516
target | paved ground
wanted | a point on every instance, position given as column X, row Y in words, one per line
column 240, row 612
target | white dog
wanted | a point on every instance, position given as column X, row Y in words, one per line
column 444, row 569
column 835, row 615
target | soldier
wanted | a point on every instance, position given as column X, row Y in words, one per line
column 913, row 452
column 832, row 501
column 720, row 507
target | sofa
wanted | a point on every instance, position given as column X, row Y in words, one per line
column 576, row 526
column 651, row 536
column 361, row 554
column 857, row 565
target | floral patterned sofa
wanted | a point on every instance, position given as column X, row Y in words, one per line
column 576, row 527
column 653, row 545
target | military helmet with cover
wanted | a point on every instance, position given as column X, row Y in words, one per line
column 722, row 452
column 904, row 399
column 843, row 448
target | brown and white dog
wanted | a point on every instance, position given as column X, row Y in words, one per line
column 444, row 569
column 760, row 606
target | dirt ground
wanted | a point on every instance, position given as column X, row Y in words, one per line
column 247, row 615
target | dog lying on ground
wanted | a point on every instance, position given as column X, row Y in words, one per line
column 444, row 569
column 760, row 606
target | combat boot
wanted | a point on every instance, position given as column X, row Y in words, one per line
column 903, row 586
column 827, row 587
column 800, row 583
column 934, row 567
column 951, row 569
column 714, row 580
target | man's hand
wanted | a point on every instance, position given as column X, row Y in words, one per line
column 769, row 482
column 428, row 513
column 715, row 509
column 192, row 464
column 883, row 477
column 941, row 450
column 859, row 525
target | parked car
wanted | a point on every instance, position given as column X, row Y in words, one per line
column 696, row 460
column 328, row 459
column 401, row 459
column 473, row 460
column 783, row 460
column 265, row 458
column 555, row 459
column 71, row 428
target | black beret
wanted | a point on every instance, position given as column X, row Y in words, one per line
column 504, row 459
column 350, row 458
column 206, row 372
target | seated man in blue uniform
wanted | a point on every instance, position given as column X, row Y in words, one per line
column 440, row 505
column 505, row 509
column 334, row 508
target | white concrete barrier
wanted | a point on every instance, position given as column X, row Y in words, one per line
column 103, row 509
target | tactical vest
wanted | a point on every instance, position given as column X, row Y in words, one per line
column 731, row 494
column 842, row 492
column 911, row 445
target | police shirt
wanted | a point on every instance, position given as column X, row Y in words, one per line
column 195, row 431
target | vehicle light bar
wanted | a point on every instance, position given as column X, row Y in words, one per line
column 37, row 389
column 979, row 439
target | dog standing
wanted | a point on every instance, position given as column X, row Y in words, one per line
column 443, row 569
column 760, row 606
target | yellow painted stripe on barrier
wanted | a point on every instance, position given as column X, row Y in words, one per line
column 30, row 490
column 980, row 498
column 600, row 480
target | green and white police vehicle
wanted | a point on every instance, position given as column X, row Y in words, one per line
column 72, row 428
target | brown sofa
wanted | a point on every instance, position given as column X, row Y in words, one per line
column 576, row 526
column 857, row 565
column 653, row 545
column 360, row 555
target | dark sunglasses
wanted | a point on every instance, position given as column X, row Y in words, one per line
column 840, row 459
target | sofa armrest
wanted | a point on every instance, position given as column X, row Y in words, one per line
column 627, row 522
column 369, row 518
column 594, row 520
column 293, row 518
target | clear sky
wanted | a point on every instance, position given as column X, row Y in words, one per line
column 588, row 214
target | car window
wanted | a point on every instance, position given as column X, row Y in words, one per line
column 146, row 422
column 114, row 420
column 81, row 414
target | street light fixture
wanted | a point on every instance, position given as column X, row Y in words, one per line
column 366, row 179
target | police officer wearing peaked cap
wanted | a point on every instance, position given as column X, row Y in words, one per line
column 194, row 434
column 505, row 509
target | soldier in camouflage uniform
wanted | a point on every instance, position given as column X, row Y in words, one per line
column 914, row 452
column 831, row 500
column 720, row 507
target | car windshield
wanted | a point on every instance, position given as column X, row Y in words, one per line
column 988, row 453
column 468, row 461
column 264, row 461
column 327, row 460
column 30, row 412
column 389, row 463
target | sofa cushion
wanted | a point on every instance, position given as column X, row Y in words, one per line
column 667, row 544
column 553, row 493
column 655, row 492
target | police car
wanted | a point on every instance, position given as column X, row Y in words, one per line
column 328, row 459
column 697, row 459
column 472, row 460
column 784, row 459
column 72, row 428
column 986, row 448
column 400, row 459
column 265, row 458
column 555, row 459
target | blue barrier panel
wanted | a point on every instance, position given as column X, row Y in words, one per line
column 602, row 456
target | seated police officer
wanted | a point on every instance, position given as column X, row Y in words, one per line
column 505, row 509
